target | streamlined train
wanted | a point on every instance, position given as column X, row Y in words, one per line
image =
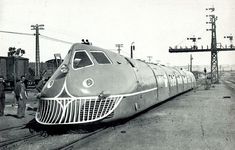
column 96, row 85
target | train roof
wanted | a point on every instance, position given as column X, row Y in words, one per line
column 116, row 57
column 88, row 47
column 52, row 61
column 9, row 57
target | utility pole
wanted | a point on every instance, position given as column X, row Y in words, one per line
column 37, row 54
column 230, row 39
column 58, row 59
column 119, row 47
column 149, row 58
column 132, row 49
column 220, row 70
column 194, row 40
column 213, row 49
column 214, row 57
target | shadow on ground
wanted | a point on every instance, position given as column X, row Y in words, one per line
column 34, row 126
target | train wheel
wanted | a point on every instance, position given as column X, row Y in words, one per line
column 44, row 133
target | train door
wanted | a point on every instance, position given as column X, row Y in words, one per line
column 145, row 78
column 193, row 80
column 139, row 78
column 163, row 84
column 145, row 75
column 175, row 82
column 153, row 69
column 146, row 84
column 172, row 81
column 185, row 82
column 190, row 80
column 179, row 81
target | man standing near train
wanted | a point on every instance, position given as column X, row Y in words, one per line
column 2, row 96
column 21, row 96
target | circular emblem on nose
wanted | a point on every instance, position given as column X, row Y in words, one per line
column 88, row 82
column 49, row 85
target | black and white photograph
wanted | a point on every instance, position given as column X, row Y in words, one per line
column 117, row 75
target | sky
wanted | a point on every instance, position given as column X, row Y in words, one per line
column 153, row 26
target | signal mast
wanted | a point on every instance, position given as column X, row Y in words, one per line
column 213, row 49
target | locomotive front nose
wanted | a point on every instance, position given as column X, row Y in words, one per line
column 76, row 110
column 83, row 98
column 89, row 90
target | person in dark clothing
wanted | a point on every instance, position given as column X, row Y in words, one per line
column 21, row 96
column 2, row 95
column 26, row 83
column 17, row 91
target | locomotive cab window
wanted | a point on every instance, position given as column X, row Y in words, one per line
column 100, row 57
column 81, row 59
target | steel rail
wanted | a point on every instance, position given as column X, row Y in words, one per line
column 15, row 127
column 74, row 142
column 5, row 144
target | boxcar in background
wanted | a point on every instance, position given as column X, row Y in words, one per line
column 13, row 68
column 51, row 66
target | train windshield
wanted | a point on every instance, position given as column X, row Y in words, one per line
column 100, row 57
column 81, row 59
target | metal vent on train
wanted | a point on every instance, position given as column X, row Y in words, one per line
column 76, row 110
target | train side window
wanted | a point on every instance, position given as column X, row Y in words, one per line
column 81, row 59
column 100, row 57
column 132, row 65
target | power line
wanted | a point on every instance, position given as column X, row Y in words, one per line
column 54, row 39
column 43, row 36
column 20, row 33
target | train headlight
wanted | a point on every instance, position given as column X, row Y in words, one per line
column 49, row 85
column 88, row 82
column 64, row 69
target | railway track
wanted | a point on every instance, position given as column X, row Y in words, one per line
column 35, row 136
column 74, row 144
column 15, row 127
column 71, row 144
column 232, row 81
column 229, row 83
column 14, row 141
